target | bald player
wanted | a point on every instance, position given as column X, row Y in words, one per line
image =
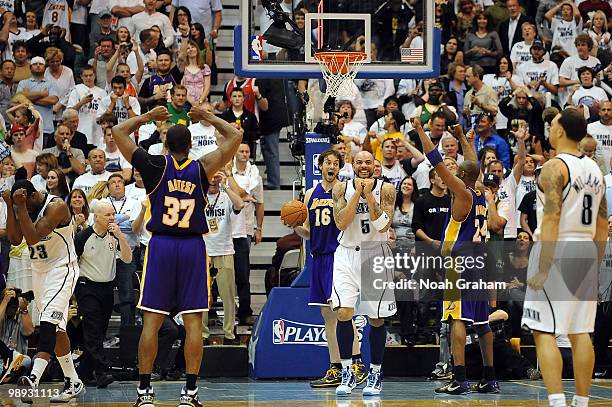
column 363, row 211
column 465, row 231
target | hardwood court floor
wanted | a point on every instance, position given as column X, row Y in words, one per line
column 396, row 393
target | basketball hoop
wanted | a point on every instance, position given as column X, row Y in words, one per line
column 339, row 69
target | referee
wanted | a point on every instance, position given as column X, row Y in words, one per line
column 96, row 248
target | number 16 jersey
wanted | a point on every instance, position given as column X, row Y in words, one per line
column 178, row 202
column 361, row 229
column 323, row 230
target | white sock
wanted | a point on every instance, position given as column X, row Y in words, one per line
column 580, row 401
column 68, row 367
column 346, row 363
column 38, row 369
column 556, row 400
column 375, row 368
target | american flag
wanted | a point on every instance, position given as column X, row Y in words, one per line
column 412, row 55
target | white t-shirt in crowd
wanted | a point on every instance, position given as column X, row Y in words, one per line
column 132, row 191
column 115, row 161
column 588, row 96
column 20, row 35
column 375, row 91
column 203, row 139
column 525, row 185
column 355, row 129
column 39, row 183
column 603, row 134
column 531, row 71
column 144, row 20
column 507, row 194
column 88, row 112
column 87, row 181
column 119, row 111
column 569, row 70
column 395, row 174
column 501, row 85
column 564, row 34
column 219, row 240
column 64, row 84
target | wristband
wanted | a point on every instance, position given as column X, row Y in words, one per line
column 434, row 157
column 381, row 222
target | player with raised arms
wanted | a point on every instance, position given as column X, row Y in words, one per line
column 464, row 235
column 561, row 296
column 44, row 221
column 175, row 275
column 363, row 211
column 322, row 232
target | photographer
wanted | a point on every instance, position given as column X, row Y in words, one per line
column 15, row 328
column 37, row 45
column 97, row 248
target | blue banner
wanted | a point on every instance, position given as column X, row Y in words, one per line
column 289, row 340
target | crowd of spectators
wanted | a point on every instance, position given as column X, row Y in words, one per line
column 72, row 71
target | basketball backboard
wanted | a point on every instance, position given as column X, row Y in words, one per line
column 271, row 42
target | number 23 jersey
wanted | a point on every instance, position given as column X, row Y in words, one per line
column 361, row 229
column 56, row 249
column 178, row 202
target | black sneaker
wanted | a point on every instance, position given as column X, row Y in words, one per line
column 103, row 380
column 332, row 378
column 11, row 364
column 189, row 398
column 454, row 387
column 484, row 386
column 29, row 382
column 145, row 398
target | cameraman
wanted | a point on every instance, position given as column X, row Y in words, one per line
column 97, row 248
column 15, row 328
column 37, row 45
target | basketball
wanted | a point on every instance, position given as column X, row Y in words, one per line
column 293, row 213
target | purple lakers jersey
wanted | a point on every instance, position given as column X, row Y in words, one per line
column 323, row 230
column 179, row 201
column 472, row 229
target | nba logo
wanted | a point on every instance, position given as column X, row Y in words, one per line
column 256, row 48
column 278, row 331
column 315, row 164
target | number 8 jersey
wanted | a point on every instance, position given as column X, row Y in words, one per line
column 323, row 230
column 361, row 229
column 179, row 200
column 581, row 199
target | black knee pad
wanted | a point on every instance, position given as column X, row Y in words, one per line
column 482, row 329
column 46, row 338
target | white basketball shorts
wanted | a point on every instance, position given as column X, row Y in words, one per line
column 568, row 302
column 359, row 285
column 52, row 292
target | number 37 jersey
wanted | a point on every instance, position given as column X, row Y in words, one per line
column 323, row 230
column 179, row 200
column 361, row 229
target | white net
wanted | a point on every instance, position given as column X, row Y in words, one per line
column 339, row 69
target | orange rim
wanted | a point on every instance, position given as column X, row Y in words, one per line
column 339, row 62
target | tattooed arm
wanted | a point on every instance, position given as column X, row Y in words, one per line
column 387, row 204
column 601, row 232
column 344, row 212
column 552, row 179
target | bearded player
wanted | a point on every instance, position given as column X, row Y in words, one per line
column 464, row 235
column 322, row 232
column 363, row 211
column 562, row 278
column 44, row 221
